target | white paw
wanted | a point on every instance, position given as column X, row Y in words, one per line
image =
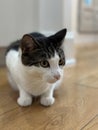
column 47, row 101
column 24, row 101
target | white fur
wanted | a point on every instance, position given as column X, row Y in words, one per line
column 36, row 81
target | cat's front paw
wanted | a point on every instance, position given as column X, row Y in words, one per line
column 47, row 101
column 24, row 101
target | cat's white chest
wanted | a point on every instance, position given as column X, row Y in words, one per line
column 34, row 85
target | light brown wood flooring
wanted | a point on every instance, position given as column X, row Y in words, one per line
column 76, row 106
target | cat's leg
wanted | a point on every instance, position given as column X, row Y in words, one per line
column 47, row 98
column 25, row 99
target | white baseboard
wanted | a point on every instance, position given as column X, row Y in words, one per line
column 70, row 62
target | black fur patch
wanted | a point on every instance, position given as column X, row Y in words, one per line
column 41, row 48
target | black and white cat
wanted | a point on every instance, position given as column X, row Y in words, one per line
column 35, row 66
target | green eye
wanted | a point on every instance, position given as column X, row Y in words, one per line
column 44, row 64
column 61, row 62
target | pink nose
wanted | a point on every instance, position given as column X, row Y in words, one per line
column 57, row 77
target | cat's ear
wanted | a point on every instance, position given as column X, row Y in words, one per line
column 28, row 43
column 59, row 37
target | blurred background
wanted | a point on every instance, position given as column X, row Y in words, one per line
column 80, row 17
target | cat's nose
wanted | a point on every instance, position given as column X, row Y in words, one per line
column 57, row 77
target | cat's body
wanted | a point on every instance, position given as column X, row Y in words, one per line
column 35, row 66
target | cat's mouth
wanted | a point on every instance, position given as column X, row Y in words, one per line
column 52, row 80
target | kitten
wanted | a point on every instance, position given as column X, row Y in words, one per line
column 35, row 66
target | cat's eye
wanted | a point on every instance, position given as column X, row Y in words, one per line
column 61, row 62
column 44, row 64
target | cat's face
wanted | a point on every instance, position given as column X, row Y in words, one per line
column 44, row 55
column 55, row 70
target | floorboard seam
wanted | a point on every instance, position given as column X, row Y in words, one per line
column 89, row 122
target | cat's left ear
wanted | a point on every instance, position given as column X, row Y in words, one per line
column 59, row 37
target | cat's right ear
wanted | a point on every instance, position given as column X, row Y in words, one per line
column 27, row 43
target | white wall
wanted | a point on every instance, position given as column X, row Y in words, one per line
column 16, row 18
column 55, row 14
column 24, row 16
column 51, row 15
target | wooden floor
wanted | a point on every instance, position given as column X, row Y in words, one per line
column 76, row 106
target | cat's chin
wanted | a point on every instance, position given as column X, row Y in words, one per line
column 52, row 81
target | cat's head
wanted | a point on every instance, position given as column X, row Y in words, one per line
column 44, row 54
